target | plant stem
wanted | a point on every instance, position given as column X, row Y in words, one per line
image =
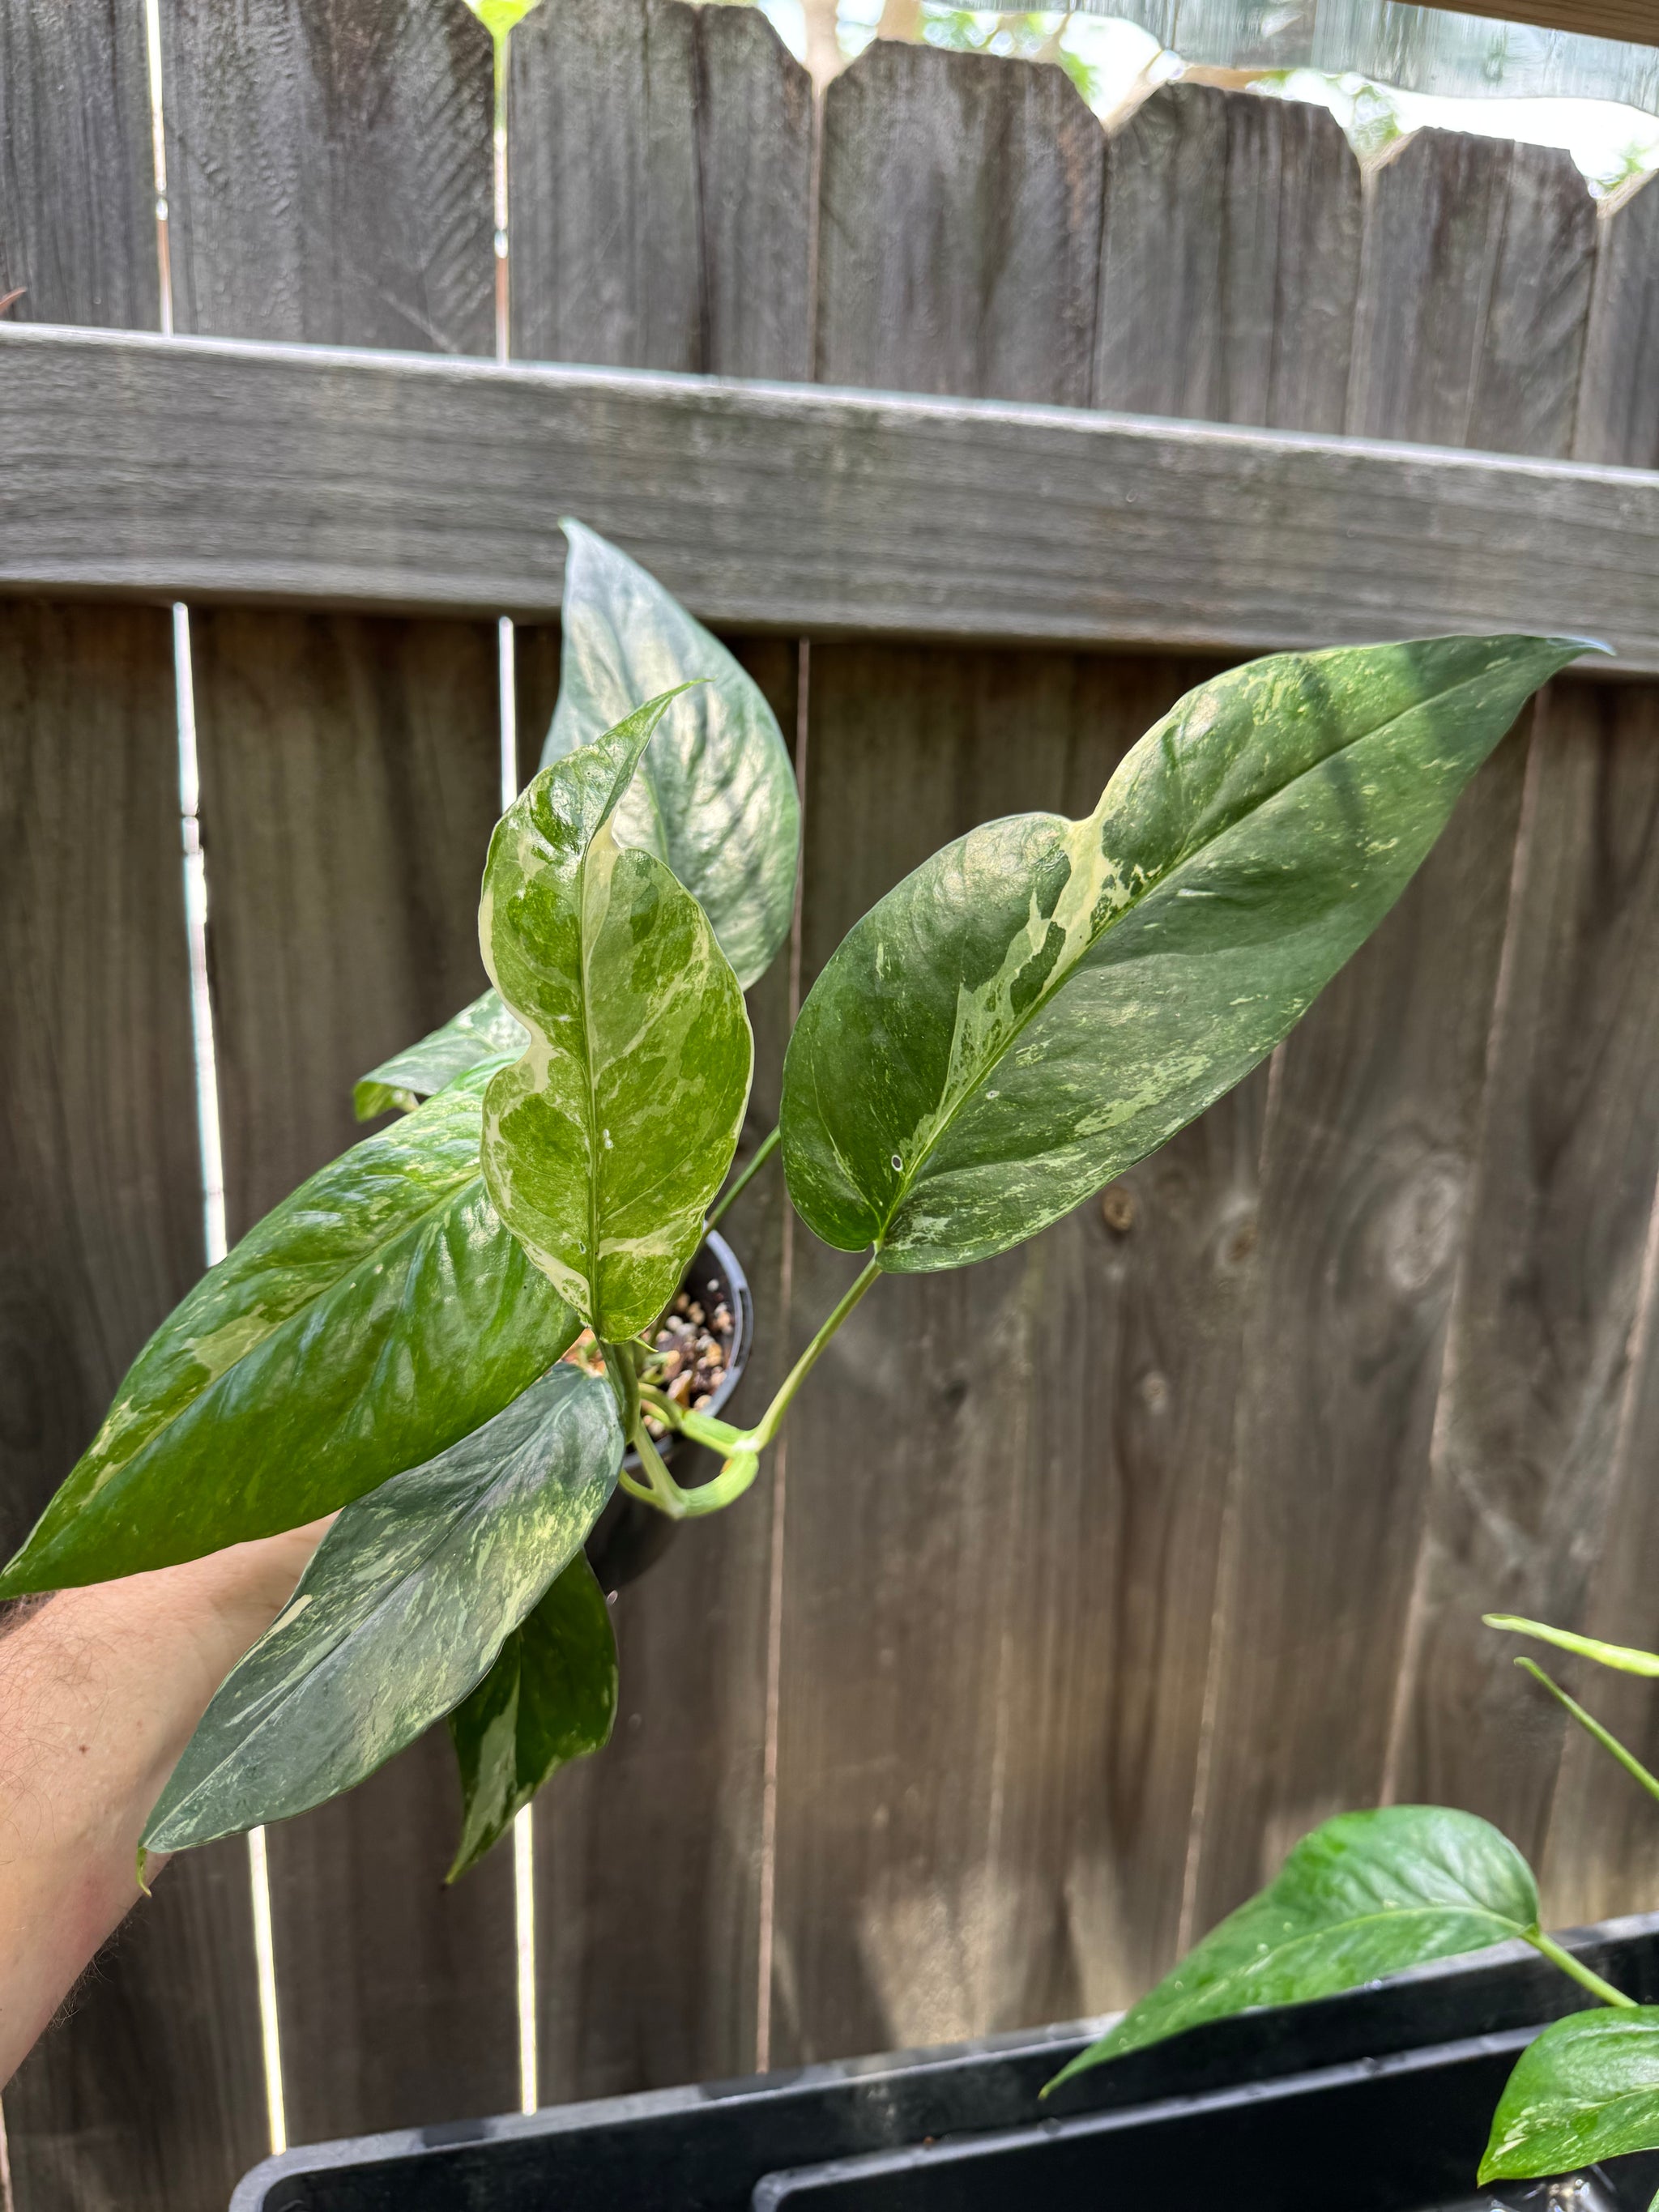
column 1577, row 1971
column 772, row 1420
column 701, row 1428
column 660, row 1488
column 768, row 1145
column 1592, row 1727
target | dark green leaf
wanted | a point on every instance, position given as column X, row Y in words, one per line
column 483, row 1031
column 1586, row 2090
column 404, row 1607
column 378, row 1314
column 604, row 1145
column 714, row 798
column 1366, row 1894
column 1624, row 1656
column 550, row 1698
column 1044, row 1001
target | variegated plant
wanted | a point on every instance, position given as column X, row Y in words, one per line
column 1041, row 1004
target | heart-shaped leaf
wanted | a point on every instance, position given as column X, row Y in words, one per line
column 1586, row 2089
column 604, row 1145
column 550, row 1698
column 1366, row 1894
column 714, row 798
column 404, row 1605
column 483, row 1031
column 1624, row 1656
column 381, row 1312
column 1044, row 1002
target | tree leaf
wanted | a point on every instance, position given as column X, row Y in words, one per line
column 483, row 1031
column 1044, row 1002
column 1366, row 1894
column 1586, row 2089
column 404, row 1605
column 604, row 1145
column 381, row 1312
column 715, row 798
column 550, row 1698
column 1624, row 1656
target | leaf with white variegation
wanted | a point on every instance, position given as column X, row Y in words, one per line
column 404, row 1608
column 1366, row 1894
column 714, row 798
column 482, row 1031
column 379, row 1314
column 550, row 1698
column 1586, row 2089
column 1044, row 1002
column 604, row 1144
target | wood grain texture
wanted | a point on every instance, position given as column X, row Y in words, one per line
column 1618, row 411
column 1473, row 296
column 350, row 773
column 329, row 172
column 148, row 2095
column 1371, row 1144
column 77, row 189
column 959, row 227
column 1637, row 20
column 1232, row 245
column 646, row 1984
column 302, row 474
column 1537, row 1364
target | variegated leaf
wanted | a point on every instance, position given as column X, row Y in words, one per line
column 714, row 798
column 376, row 1315
column 483, row 1031
column 402, row 1609
column 604, row 1145
column 1044, row 1002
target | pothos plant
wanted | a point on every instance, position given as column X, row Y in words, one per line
column 1040, row 1005
column 1369, row 1894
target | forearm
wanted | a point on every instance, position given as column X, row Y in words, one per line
column 100, row 1691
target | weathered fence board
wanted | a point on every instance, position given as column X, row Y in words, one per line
column 149, row 2095
column 270, row 473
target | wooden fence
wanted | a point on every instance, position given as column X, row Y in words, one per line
column 1088, row 1578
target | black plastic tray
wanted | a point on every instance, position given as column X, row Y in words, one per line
column 1388, row 2135
column 705, row 2149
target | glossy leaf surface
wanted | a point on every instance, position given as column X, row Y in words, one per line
column 1586, row 2089
column 604, row 1144
column 550, row 1698
column 1366, row 1894
column 404, row 1605
column 483, row 1031
column 1044, row 1002
column 1624, row 1656
column 715, row 798
column 379, row 1314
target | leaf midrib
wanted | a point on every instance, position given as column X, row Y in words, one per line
column 1052, row 992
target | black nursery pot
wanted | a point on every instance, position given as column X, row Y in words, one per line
column 630, row 1535
column 1377, row 2100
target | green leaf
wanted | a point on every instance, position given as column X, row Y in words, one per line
column 1624, row 1656
column 378, row 1314
column 483, row 1031
column 1366, row 1894
column 604, row 1145
column 550, row 1698
column 1044, row 1002
column 715, row 798
column 404, row 1605
column 1586, row 2089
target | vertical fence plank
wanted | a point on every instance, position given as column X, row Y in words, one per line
column 77, row 217
column 661, row 165
column 959, row 227
column 1233, row 233
column 1469, row 328
column 329, row 172
column 149, row 2094
column 330, row 168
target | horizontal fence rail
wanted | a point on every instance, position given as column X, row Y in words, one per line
column 294, row 475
